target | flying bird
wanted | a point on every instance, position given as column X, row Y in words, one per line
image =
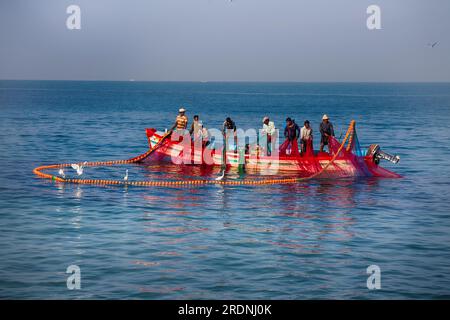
column 432, row 45
column 61, row 173
column 79, row 167
column 126, row 176
column 221, row 176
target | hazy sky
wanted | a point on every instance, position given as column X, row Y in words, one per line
column 242, row 40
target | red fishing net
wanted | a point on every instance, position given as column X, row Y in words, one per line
column 289, row 148
column 349, row 161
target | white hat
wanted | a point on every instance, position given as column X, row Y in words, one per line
column 182, row 110
column 325, row 117
column 265, row 118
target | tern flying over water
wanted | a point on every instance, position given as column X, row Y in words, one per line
column 79, row 167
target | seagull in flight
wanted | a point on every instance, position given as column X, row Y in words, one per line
column 79, row 167
column 432, row 45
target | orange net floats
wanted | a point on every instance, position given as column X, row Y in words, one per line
column 39, row 171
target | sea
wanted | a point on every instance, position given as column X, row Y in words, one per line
column 317, row 239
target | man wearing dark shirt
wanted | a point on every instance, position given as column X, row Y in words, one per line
column 292, row 130
column 326, row 130
column 291, row 133
column 229, row 125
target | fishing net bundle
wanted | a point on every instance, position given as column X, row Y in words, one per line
column 349, row 161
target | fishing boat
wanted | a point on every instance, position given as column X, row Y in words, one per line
column 342, row 161
column 345, row 159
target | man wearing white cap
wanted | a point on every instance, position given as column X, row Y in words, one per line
column 326, row 130
column 268, row 130
column 181, row 121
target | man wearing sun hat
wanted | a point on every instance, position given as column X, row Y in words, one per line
column 181, row 121
column 326, row 130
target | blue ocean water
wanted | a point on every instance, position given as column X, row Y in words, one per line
column 307, row 241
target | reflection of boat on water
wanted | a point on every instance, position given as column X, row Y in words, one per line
column 350, row 161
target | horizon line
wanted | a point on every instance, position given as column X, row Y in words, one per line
column 234, row 81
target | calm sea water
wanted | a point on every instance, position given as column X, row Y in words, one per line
column 306, row 241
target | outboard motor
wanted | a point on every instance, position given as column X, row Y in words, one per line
column 377, row 154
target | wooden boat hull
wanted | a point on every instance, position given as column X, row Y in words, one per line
column 300, row 165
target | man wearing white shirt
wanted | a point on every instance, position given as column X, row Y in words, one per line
column 306, row 137
column 268, row 130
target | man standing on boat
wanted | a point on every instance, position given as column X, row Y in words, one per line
column 178, row 131
column 306, row 139
column 196, row 128
column 268, row 130
column 229, row 126
column 198, row 132
column 326, row 130
column 291, row 133
column 181, row 121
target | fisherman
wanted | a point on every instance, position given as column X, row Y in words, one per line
column 268, row 130
column 205, row 137
column 291, row 133
column 196, row 128
column 227, row 126
column 181, row 121
column 306, row 138
column 326, row 131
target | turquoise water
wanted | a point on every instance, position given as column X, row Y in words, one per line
column 306, row 241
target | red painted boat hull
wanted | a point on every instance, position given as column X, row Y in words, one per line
column 346, row 166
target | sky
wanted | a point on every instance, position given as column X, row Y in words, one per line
column 223, row 40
